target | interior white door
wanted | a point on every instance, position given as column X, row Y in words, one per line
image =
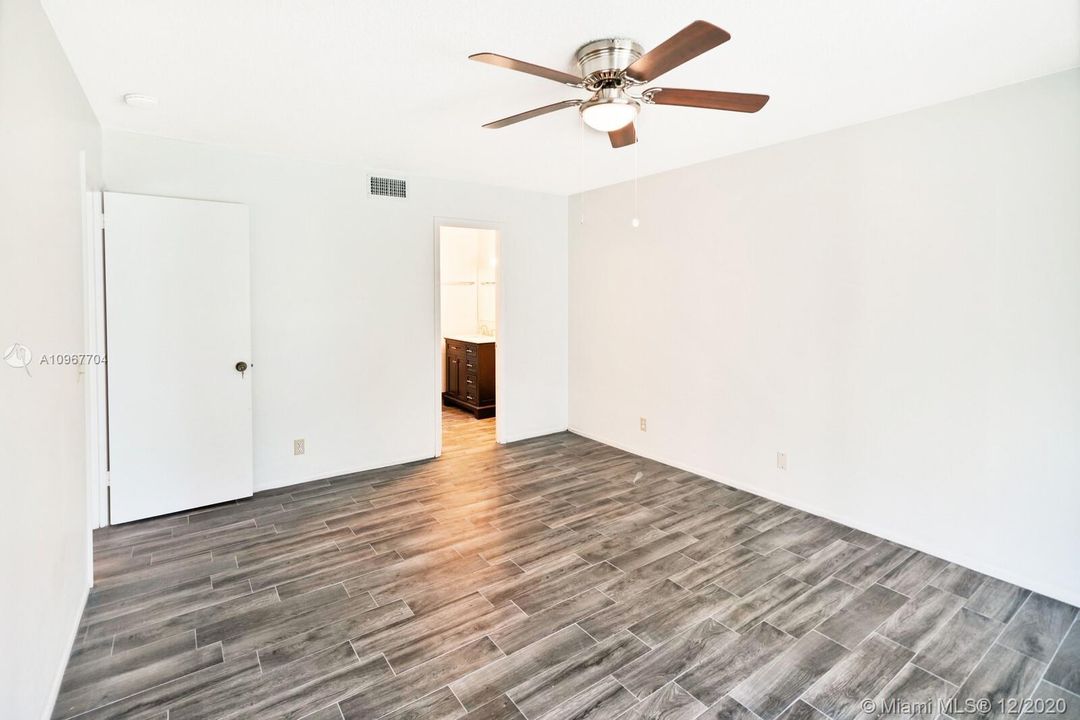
column 178, row 311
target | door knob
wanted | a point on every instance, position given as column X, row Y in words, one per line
column 241, row 367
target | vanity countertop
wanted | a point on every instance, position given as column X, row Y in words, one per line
column 476, row 339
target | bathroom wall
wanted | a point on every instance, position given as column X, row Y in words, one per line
column 468, row 269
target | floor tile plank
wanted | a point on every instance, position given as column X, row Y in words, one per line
column 825, row 562
column 385, row 696
column 1051, row 701
column 605, row 700
column 626, row 612
column 679, row 616
column 955, row 649
column 771, row 689
column 860, row 616
column 1002, row 676
column 997, row 599
column 958, row 580
column 713, row 678
column 492, row 681
column 925, row 695
column 439, row 705
column 670, row 702
column 528, row 630
column 1064, row 670
column 919, row 620
column 326, row 636
column 911, row 575
column 658, row 667
column 860, row 675
column 548, row 689
column 811, row 607
column 1038, row 627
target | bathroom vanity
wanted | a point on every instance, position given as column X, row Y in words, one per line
column 470, row 374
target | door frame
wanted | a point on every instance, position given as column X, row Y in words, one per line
column 97, row 457
column 95, row 333
column 500, row 316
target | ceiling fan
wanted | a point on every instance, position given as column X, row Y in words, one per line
column 610, row 68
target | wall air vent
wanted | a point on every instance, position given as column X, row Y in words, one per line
column 386, row 187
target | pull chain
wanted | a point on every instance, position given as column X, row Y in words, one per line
column 635, row 221
column 581, row 177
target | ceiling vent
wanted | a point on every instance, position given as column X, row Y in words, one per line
column 386, row 187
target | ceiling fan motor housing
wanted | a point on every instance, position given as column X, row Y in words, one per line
column 602, row 61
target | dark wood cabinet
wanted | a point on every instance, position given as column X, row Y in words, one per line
column 470, row 377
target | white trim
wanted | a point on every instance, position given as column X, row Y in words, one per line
column 94, row 332
column 500, row 383
column 437, row 444
column 535, row 433
column 54, row 690
column 404, row 460
column 1052, row 590
column 500, row 322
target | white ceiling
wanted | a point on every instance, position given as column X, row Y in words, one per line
column 387, row 86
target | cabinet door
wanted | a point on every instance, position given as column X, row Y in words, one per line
column 453, row 376
column 463, row 389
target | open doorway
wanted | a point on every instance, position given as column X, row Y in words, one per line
column 468, row 332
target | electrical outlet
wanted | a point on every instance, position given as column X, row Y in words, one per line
column 298, row 447
column 781, row 461
column 644, row 427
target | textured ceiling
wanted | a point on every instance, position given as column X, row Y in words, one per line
column 386, row 86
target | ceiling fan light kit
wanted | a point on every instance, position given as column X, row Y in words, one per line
column 612, row 67
column 609, row 109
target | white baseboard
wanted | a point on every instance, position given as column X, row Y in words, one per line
column 1039, row 585
column 538, row 432
column 54, row 692
column 526, row 435
column 345, row 471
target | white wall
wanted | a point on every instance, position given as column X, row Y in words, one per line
column 45, row 122
column 343, row 301
column 896, row 305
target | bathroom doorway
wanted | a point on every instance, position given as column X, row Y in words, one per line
column 468, row 318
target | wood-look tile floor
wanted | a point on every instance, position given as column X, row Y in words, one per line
column 554, row 578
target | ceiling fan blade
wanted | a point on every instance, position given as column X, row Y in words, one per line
column 688, row 43
column 711, row 99
column 521, row 66
column 623, row 136
column 535, row 112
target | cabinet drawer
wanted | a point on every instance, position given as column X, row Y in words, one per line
column 470, row 351
column 471, row 383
